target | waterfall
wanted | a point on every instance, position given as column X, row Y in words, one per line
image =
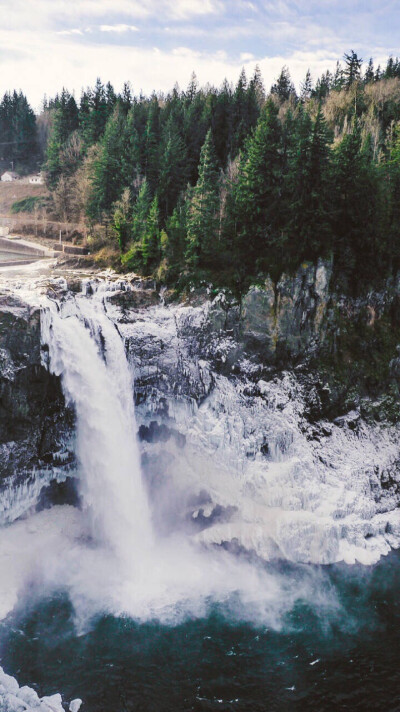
column 86, row 350
column 106, row 556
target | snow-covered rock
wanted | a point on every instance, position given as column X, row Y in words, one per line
column 75, row 705
column 24, row 699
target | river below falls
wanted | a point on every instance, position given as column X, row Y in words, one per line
column 346, row 659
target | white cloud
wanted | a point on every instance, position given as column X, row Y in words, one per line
column 70, row 32
column 49, row 43
column 48, row 64
column 183, row 9
column 41, row 14
column 118, row 28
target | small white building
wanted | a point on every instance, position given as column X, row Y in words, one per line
column 37, row 179
column 9, row 176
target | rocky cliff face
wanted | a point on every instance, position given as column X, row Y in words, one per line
column 35, row 425
column 288, row 320
column 272, row 428
column 277, row 431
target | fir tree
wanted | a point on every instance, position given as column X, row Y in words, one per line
column 202, row 214
column 259, row 188
column 283, row 87
column 107, row 178
column 151, row 246
column 121, row 219
column 152, row 145
column 140, row 212
column 369, row 75
column 306, row 87
column 175, row 247
column 173, row 170
column 352, row 69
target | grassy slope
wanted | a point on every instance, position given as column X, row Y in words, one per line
column 10, row 192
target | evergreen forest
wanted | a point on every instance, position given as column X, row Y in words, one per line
column 225, row 185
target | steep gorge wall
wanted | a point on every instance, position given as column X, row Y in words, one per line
column 340, row 354
column 34, row 421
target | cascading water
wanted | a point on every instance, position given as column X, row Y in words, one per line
column 94, row 564
column 85, row 349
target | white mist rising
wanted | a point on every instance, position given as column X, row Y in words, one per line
column 101, row 392
column 107, row 556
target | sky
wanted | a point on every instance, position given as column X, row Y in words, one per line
column 49, row 44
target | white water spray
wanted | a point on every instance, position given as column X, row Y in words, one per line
column 122, row 569
column 86, row 350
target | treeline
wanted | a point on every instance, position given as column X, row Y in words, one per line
column 18, row 133
column 226, row 185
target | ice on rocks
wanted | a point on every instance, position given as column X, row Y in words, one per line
column 29, row 696
column 75, row 705
column 53, row 702
column 25, row 699
column 9, row 682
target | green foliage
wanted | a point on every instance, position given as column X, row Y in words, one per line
column 352, row 70
column 151, row 244
column 284, row 87
column 107, row 177
column 140, row 212
column 258, row 203
column 18, row 135
column 227, row 185
column 202, row 214
column 121, row 223
column 27, row 205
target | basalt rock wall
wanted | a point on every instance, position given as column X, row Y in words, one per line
column 34, row 421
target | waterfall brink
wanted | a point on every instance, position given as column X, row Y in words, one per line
column 85, row 349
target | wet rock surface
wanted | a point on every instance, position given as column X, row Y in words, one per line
column 35, row 423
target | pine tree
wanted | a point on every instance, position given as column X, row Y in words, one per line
column 107, row 182
column 140, row 212
column 356, row 232
column 323, row 86
column 240, row 117
column 195, row 127
column 255, row 99
column 352, row 69
column 151, row 246
column 176, row 244
column 221, row 121
column 283, row 87
column 95, row 108
column 369, row 75
column 152, row 145
column 338, row 80
column 121, row 219
column 173, row 168
column 130, row 151
column 202, row 214
column 310, row 222
column 258, row 199
column 64, row 121
column 306, row 87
